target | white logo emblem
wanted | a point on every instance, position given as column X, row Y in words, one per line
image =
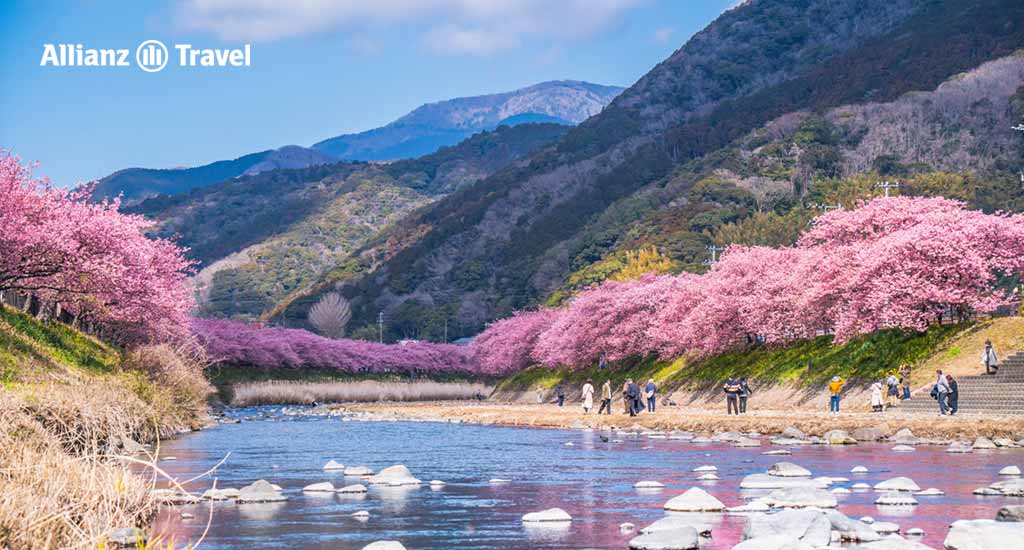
column 151, row 56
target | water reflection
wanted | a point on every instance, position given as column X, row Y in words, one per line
column 592, row 480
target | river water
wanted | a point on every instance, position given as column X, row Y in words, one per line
column 592, row 479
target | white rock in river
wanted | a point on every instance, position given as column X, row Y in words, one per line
column 360, row 514
column 897, row 484
column 765, row 481
column 850, row 529
column 753, row 506
column 394, row 476
column 708, row 477
column 325, row 487
column 747, row 442
column 358, row 471
column 384, row 545
column 695, row 500
column 984, row 534
column 802, row 497
column 220, row 494
column 896, row 499
column 903, row 449
column 437, row 483
column 685, row 538
column 788, row 469
column 915, row 532
column 860, row 486
column 931, row 492
column 648, row 485
column 867, row 519
column 498, row 481
column 987, row 492
column 983, row 443
column 551, row 514
column 777, row 452
column 332, row 465
column 773, row 542
column 891, row 542
column 352, row 489
column 959, row 447
column 885, row 527
column 840, row 491
column 859, row 470
column 1013, row 487
column 703, row 522
column 706, row 469
column 260, row 491
column 1010, row 471
column 626, row 527
column 809, row 526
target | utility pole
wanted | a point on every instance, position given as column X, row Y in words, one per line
column 445, row 330
column 713, row 250
column 380, row 327
column 887, row 185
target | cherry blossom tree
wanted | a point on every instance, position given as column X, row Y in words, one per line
column 507, row 346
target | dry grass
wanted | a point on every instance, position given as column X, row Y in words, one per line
column 63, row 429
column 291, row 392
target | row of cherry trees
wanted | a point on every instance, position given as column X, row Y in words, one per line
column 89, row 259
column 273, row 348
column 896, row 262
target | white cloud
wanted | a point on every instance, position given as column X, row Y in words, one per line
column 478, row 27
column 663, row 35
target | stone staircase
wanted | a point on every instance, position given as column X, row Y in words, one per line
column 1001, row 393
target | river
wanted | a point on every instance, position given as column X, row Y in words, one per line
column 592, row 479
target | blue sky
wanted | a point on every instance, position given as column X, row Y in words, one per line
column 320, row 68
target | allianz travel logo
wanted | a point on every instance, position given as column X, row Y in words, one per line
column 150, row 56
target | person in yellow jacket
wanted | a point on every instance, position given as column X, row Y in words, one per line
column 835, row 388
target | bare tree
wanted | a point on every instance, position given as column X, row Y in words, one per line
column 330, row 315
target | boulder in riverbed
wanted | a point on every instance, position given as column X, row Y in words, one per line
column 358, row 471
column 325, row 487
column 773, row 542
column 685, row 538
column 838, row 437
column 333, row 465
column 1010, row 471
column 695, row 500
column 802, row 497
column 549, row 515
column 394, row 476
column 648, row 485
column 896, row 499
column 260, row 491
column 384, row 545
column 1013, row 513
column 765, row 481
column 811, row 527
column 788, row 469
column 984, row 534
column 898, row 484
column 356, row 489
column 851, row 530
column 983, row 443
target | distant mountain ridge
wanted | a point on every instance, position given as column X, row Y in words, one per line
column 433, row 125
column 420, row 132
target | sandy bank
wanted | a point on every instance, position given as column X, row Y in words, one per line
column 701, row 420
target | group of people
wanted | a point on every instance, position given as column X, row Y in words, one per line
column 887, row 393
column 634, row 398
column 736, row 394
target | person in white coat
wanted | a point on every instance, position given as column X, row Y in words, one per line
column 588, row 396
column 876, row 397
column 989, row 358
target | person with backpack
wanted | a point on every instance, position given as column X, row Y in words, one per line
column 633, row 397
column 745, row 393
column 892, row 391
column 732, row 390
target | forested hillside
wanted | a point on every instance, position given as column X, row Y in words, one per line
column 775, row 106
column 260, row 238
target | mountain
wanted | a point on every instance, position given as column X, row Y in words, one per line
column 259, row 238
column 448, row 122
column 421, row 132
column 136, row 184
column 775, row 103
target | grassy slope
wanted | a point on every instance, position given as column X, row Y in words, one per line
column 807, row 364
column 29, row 349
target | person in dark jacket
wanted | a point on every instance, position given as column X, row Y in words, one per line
column 651, row 392
column 952, row 400
column 561, row 396
column 745, row 393
column 732, row 395
column 632, row 397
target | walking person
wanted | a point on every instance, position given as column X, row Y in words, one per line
column 632, row 397
column 989, row 358
column 606, row 397
column 540, row 396
column 625, row 396
column 835, row 390
column 732, row 396
column 892, row 390
column 602, row 363
column 953, row 400
column 745, row 393
column 560, row 392
column 588, row 396
column 876, row 397
column 651, row 392
column 941, row 392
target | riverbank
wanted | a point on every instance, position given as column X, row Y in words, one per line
column 701, row 421
column 72, row 409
